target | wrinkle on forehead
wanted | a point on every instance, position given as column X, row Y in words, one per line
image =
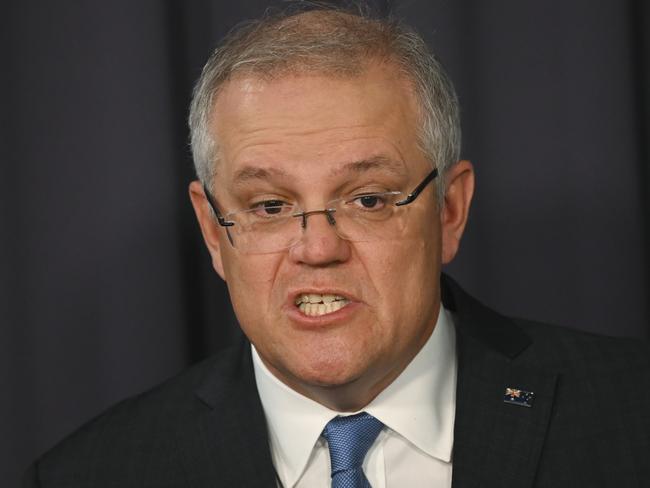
column 378, row 162
column 374, row 163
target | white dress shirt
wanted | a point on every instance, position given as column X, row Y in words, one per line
column 417, row 409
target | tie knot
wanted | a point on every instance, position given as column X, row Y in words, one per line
column 349, row 439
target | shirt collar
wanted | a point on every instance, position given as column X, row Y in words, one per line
column 294, row 421
column 419, row 405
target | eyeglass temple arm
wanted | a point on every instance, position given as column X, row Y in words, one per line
column 213, row 205
column 418, row 189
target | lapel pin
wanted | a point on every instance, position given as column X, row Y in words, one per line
column 515, row 396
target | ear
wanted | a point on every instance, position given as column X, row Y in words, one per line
column 453, row 214
column 213, row 234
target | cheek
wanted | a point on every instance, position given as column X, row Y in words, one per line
column 250, row 282
column 404, row 275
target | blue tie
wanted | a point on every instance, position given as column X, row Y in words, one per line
column 349, row 439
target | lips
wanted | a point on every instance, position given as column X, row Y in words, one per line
column 319, row 304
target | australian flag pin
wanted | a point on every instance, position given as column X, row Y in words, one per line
column 515, row 396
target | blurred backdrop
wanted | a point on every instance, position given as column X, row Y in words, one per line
column 105, row 286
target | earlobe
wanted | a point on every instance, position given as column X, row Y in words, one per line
column 454, row 213
column 209, row 227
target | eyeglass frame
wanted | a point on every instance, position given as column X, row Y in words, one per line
column 410, row 198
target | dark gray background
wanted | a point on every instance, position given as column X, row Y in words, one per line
column 106, row 289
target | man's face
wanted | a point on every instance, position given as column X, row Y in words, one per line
column 308, row 139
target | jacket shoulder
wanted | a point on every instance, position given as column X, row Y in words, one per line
column 133, row 440
column 569, row 349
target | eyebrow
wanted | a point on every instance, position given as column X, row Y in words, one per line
column 248, row 173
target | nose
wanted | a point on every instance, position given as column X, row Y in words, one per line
column 320, row 245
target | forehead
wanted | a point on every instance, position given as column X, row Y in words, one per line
column 315, row 121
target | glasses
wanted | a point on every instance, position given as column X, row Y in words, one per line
column 274, row 225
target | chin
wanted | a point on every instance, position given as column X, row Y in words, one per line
column 328, row 373
column 328, row 381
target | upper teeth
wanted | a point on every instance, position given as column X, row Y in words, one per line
column 316, row 298
column 313, row 304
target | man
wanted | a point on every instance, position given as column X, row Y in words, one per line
column 330, row 195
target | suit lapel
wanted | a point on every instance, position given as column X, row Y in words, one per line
column 495, row 443
column 225, row 443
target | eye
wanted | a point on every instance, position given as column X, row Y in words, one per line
column 268, row 208
column 373, row 201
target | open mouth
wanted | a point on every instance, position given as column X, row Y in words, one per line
column 314, row 304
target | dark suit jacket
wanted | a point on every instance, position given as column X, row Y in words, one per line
column 588, row 426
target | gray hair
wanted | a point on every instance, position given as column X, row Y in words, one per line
column 337, row 43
